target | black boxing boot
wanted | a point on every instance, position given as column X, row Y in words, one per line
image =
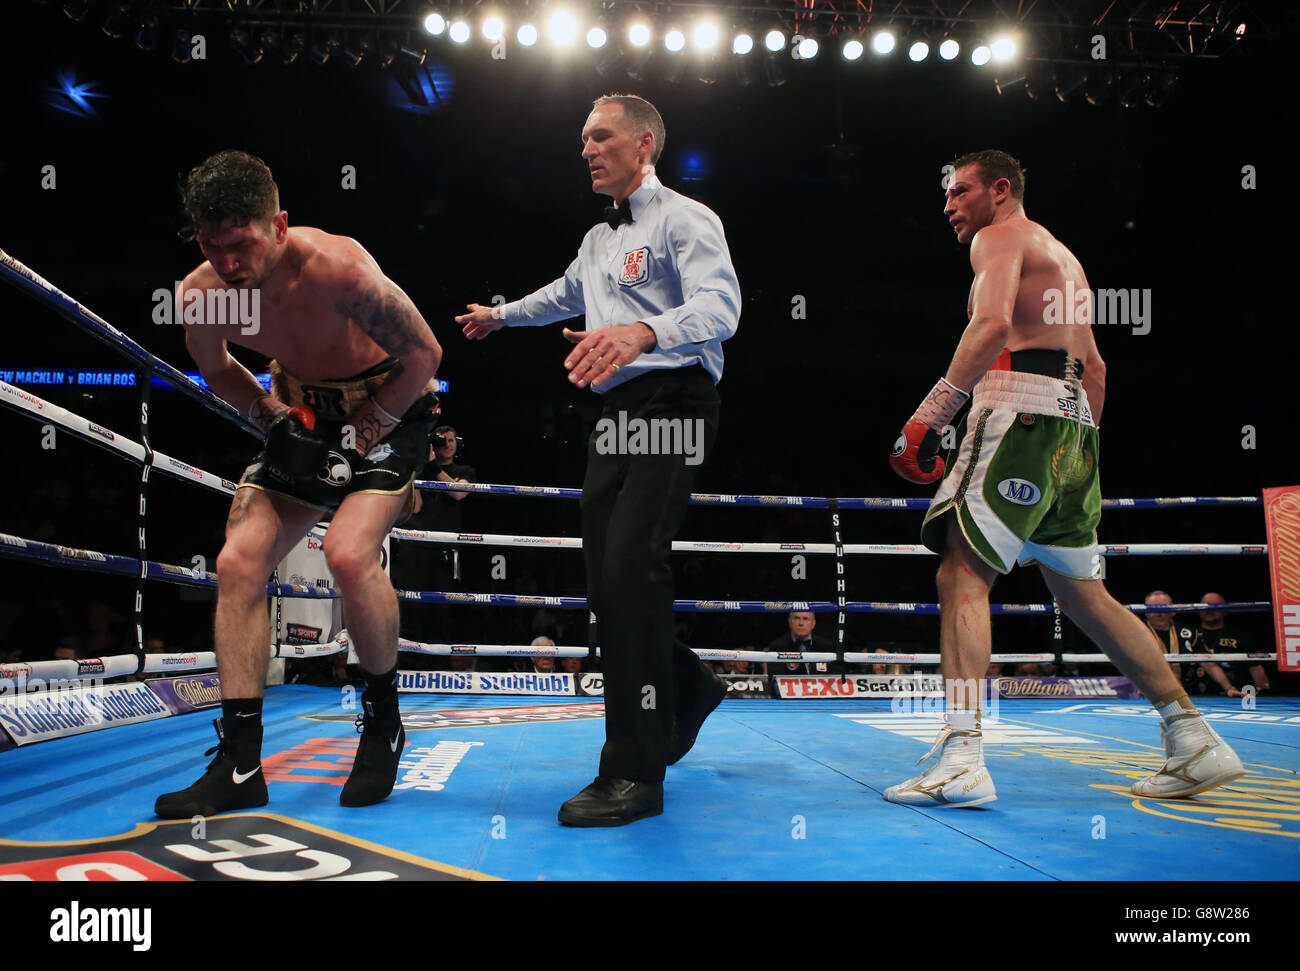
column 234, row 779
column 374, row 770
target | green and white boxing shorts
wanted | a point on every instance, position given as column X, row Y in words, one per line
column 1023, row 481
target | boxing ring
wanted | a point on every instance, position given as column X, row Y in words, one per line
column 784, row 783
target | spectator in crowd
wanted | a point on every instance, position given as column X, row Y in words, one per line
column 994, row 670
column 1173, row 639
column 1033, row 670
column 1217, row 636
column 542, row 665
column 737, row 667
column 427, row 566
column 798, row 637
column 571, row 665
column 68, row 648
column 104, row 632
column 154, row 644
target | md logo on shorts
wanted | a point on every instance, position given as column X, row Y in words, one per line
column 1019, row 491
column 636, row 267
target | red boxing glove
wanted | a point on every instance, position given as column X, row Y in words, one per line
column 916, row 453
column 304, row 415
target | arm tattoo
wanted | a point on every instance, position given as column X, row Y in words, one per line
column 264, row 411
column 370, row 430
column 386, row 314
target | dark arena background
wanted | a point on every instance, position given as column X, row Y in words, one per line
column 1152, row 135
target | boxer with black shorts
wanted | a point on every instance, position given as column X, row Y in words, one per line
column 351, row 445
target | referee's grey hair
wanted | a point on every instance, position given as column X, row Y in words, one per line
column 641, row 116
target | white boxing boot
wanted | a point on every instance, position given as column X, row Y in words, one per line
column 958, row 779
column 1196, row 759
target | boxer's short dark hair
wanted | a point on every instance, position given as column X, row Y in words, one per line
column 230, row 185
column 641, row 115
column 994, row 165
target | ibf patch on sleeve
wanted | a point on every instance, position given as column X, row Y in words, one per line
column 636, row 267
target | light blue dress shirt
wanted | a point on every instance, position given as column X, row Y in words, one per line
column 669, row 268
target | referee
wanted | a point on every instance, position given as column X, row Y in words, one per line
column 660, row 295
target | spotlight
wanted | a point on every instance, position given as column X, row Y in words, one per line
column 610, row 60
column 596, row 37
column 1039, row 80
column 674, row 40
column 180, row 52
column 386, row 52
column 980, row 55
column 357, row 49
column 852, row 50
column 1067, row 84
column 244, row 46
column 638, row 35
column 706, row 36
column 807, row 48
column 293, row 48
column 1003, row 86
column 1158, row 93
column 76, row 10
column 918, row 52
column 710, row 69
column 116, row 22
column 743, row 71
column 459, row 32
column 1003, row 49
column 883, row 42
column 322, row 49
column 636, row 63
column 774, row 41
column 435, row 24
column 949, row 49
column 1132, row 90
column 773, row 70
column 1100, row 81
column 562, row 29
column 742, row 44
column 146, row 38
column 527, row 35
column 493, row 28
column 412, row 57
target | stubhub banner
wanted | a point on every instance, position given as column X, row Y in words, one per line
column 482, row 683
column 40, row 715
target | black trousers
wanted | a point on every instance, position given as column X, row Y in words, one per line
column 632, row 507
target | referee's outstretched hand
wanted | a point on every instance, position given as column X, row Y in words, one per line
column 479, row 322
column 600, row 353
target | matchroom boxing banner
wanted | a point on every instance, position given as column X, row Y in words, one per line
column 1282, row 518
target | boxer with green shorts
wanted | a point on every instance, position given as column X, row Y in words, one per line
column 1022, row 486
column 1023, row 480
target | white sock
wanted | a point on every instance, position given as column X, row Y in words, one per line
column 960, row 720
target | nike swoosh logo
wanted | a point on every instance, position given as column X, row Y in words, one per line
column 242, row 777
column 392, row 746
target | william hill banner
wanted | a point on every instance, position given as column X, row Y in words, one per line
column 1282, row 519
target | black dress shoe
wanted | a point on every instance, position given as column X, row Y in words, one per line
column 613, row 802
column 687, row 724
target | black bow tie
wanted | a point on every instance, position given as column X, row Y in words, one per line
column 617, row 215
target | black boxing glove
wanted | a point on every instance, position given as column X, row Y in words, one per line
column 410, row 439
column 293, row 451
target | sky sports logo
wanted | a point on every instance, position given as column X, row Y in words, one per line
column 74, row 925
